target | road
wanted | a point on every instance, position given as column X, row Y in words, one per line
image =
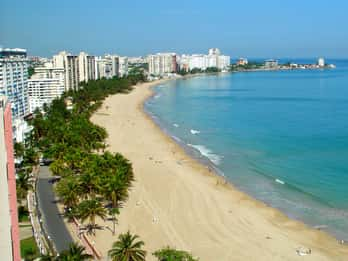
column 52, row 219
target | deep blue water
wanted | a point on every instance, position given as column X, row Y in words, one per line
column 280, row 136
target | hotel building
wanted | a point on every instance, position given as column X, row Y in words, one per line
column 70, row 63
column 13, row 79
column 203, row 61
column 86, row 67
column 45, row 85
column 9, row 231
column 110, row 66
column 162, row 63
column 104, row 67
column 123, row 66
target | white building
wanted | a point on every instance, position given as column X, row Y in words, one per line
column 242, row 61
column 14, row 79
column 321, row 62
column 86, row 67
column 110, row 66
column 115, row 65
column 70, row 63
column 162, row 63
column 203, row 61
column 104, row 67
column 271, row 64
column 123, row 66
column 45, row 85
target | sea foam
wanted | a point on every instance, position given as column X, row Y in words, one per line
column 194, row 132
column 204, row 151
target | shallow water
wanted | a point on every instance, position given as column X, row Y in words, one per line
column 280, row 136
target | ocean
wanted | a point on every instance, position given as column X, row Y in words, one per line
column 280, row 136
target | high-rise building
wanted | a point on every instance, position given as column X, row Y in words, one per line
column 203, row 61
column 115, row 65
column 13, row 79
column 162, row 63
column 110, row 66
column 46, row 84
column 86, row 67
column 9, row 243
column 70, row 63
column 123, row 66
column 104, row 67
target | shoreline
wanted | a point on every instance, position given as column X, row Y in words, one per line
column 200, row 158
column 221, row 207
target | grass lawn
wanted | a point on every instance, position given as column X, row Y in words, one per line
column 29, row 250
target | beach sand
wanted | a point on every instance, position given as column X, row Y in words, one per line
column 177, row 201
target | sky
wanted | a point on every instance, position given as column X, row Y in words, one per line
column 249, row 28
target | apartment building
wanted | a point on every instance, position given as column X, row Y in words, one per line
column 9, row 230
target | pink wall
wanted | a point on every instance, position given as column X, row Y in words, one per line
column 11, row 183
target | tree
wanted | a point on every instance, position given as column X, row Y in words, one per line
column 127, row 248
column 18, row 149
column 115, row 189
column 68, row 190
column 90, row 209
column 22, row 184
column 171, row 254
column 116, row 178
column 31, row 71
column 74, row 253
column 113, row 212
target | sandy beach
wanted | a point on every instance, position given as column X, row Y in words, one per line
column 176, row 201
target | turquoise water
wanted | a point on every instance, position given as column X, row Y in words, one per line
column 282, row 136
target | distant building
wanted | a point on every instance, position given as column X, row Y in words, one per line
column 70, row 63
column 9, row 243
column 321, row 62
column 214, row 51
column 271, row 64
column 242, row 61
column 111, row 66
column 14, row 79
column 103, row 68
column 45, row 85
column 86, row 67
column 123, row 66
column 115, row 65
column 203, row 61
column 136, row 60
column 162, row 63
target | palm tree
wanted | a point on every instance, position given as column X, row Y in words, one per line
column 90, row 209
column 127, row 248
column 74, row 253
column 89, row 184
column 68, row 189
column 113, row 212
column 22, row 184
column 114, row 189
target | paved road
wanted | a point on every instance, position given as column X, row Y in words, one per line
column 52, row 220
